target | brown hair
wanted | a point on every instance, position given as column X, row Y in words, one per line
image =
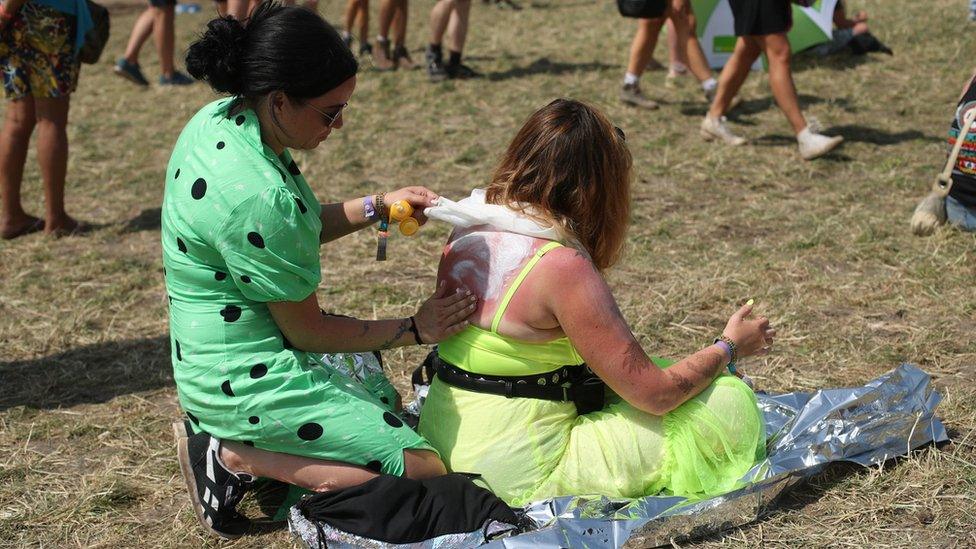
column 569, row 166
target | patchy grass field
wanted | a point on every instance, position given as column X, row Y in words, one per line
column 86, row 393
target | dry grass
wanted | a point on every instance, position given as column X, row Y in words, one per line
column 86, row 394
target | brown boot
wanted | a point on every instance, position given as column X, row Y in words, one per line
column 402, row 58
column 381, row 56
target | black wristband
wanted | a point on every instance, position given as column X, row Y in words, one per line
column 416, row 332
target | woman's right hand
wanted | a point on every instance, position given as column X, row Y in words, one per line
column 751, row 336
column 443, row 314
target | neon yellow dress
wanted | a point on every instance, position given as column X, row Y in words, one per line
column 530, row 449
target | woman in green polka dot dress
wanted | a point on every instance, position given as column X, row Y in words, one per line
column 241, row 231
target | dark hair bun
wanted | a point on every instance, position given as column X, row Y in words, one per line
column 217, row 56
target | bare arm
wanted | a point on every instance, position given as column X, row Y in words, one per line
column 342, row 218
column 581, row 301
column 309, row 330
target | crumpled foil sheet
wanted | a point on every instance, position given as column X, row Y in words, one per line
column 867, row 425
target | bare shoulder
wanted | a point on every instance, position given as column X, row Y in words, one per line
column 567, row 265
column 565, row 258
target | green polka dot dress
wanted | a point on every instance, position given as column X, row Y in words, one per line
column 240, row 228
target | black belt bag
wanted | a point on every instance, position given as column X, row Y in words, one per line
column 576, row 384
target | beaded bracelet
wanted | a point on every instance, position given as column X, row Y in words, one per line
column 733, row 353
column 381, row 207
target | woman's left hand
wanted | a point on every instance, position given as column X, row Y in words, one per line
column 418, row 197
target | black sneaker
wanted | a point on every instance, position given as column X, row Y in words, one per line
column 214, row 491
column 365, row 48
column 436, row 71
column 461, row 71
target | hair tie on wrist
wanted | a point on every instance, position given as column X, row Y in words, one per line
column 416, row 332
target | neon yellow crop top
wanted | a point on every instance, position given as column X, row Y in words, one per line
column 481, row 351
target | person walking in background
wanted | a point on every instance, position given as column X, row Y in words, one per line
column 357, row 14
column 392, row 13
column 760, row 27
column 641, row 53
column 157, row 20
column 448, row 17
column 39, row 43
column 686, row 51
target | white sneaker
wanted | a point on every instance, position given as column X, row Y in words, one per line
column 715, row 128
column 813, row 145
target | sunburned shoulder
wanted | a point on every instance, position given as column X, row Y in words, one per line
column 567, row 266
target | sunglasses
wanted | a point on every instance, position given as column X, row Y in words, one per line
column 330, row 119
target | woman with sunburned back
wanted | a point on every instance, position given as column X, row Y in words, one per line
column 547, row 392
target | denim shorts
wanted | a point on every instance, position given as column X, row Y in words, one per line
column 959, row 215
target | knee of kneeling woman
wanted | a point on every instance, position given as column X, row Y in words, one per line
column 421, row 464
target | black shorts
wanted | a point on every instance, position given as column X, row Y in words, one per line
column 642, row 9
column 761, row 17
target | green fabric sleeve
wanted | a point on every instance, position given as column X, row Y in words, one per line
column 270, row 243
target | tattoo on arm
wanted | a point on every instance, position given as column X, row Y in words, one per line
column 634, row 357
column 681, row 381
column 401, row 329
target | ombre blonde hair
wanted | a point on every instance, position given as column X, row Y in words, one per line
column 570, row 167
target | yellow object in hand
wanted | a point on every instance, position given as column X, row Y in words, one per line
column 750, row 302
column 401, row 211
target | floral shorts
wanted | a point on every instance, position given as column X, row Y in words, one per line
column 37, row 54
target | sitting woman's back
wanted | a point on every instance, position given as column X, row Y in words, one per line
column 547, row 393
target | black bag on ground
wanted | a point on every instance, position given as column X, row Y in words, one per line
column 642, row 9
column 400, row 510
column 97, row 36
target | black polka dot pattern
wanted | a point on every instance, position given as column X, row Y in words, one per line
column 392, row 420
column 254, row 420
column 384, row 400
column 193, row 418
column 225, row 387
column 258, row 371
column 293, row 168
column 198, row 189
column 180, row 244
column 310, row 431
column 177, row 174
column 375, row 466
column 221, row 145
column 218, row 276
column 240, row 120
column 301, row 205
column 245, row 279
column 179, row 352
column 255, row 239
column 231, row 313
column 248, row 443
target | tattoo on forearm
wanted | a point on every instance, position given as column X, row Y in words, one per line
column 681, row 381
column 401, row 329
column 634, row 356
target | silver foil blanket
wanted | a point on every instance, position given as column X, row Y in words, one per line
column 868, row 425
